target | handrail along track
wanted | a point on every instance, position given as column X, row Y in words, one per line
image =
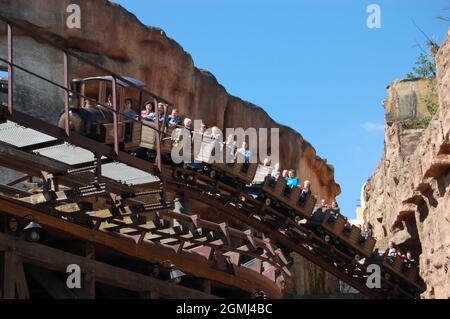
column 286, row 231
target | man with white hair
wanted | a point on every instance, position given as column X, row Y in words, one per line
column 187, row 123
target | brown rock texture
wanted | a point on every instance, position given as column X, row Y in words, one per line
column 406, row 99
column 408, row 196
column 115, row 39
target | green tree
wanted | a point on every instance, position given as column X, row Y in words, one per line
column 425, row 67
column 425, row 63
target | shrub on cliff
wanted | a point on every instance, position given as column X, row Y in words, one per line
column 426, row 67
column 425, row 64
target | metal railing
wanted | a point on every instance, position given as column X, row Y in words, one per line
column 11, row 66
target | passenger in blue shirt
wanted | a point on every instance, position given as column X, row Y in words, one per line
column 174, row 120
column 291, row 181
column 129, row 113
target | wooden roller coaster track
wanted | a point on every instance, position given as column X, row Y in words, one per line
column 203, row 248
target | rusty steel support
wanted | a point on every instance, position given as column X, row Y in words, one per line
column 115, row 119
column 66, row 94
column 79, row 57
column 10, row 68
column 158, row 138
column 98, row 168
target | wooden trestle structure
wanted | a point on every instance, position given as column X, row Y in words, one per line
column 119, row 232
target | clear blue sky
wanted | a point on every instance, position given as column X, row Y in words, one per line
column 312, row 65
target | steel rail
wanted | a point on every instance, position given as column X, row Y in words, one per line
column 10, row 23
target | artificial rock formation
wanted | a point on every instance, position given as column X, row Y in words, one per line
column 115, row 39
column 407, row 100
column 408, row 196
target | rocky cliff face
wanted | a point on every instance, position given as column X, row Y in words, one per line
column 408, row 196
column 114, row 38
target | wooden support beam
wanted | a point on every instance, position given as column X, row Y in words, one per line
column 58, row 260
column 66, row 195
column 202, row 241
column 127, row 211
column 18, row 180
column 223, row 228
column 53, row 285
column 207, row 286
column 21, row 283
column 89, row 277
column 8, row 190
column 154, row 293
column 41, row 145
column 9, row 274
column 187, row 262
column 281, row 239
column 2, row 266
column 127, row 222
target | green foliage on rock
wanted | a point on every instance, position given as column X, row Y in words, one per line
column 425, row 63
column 425, row 67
